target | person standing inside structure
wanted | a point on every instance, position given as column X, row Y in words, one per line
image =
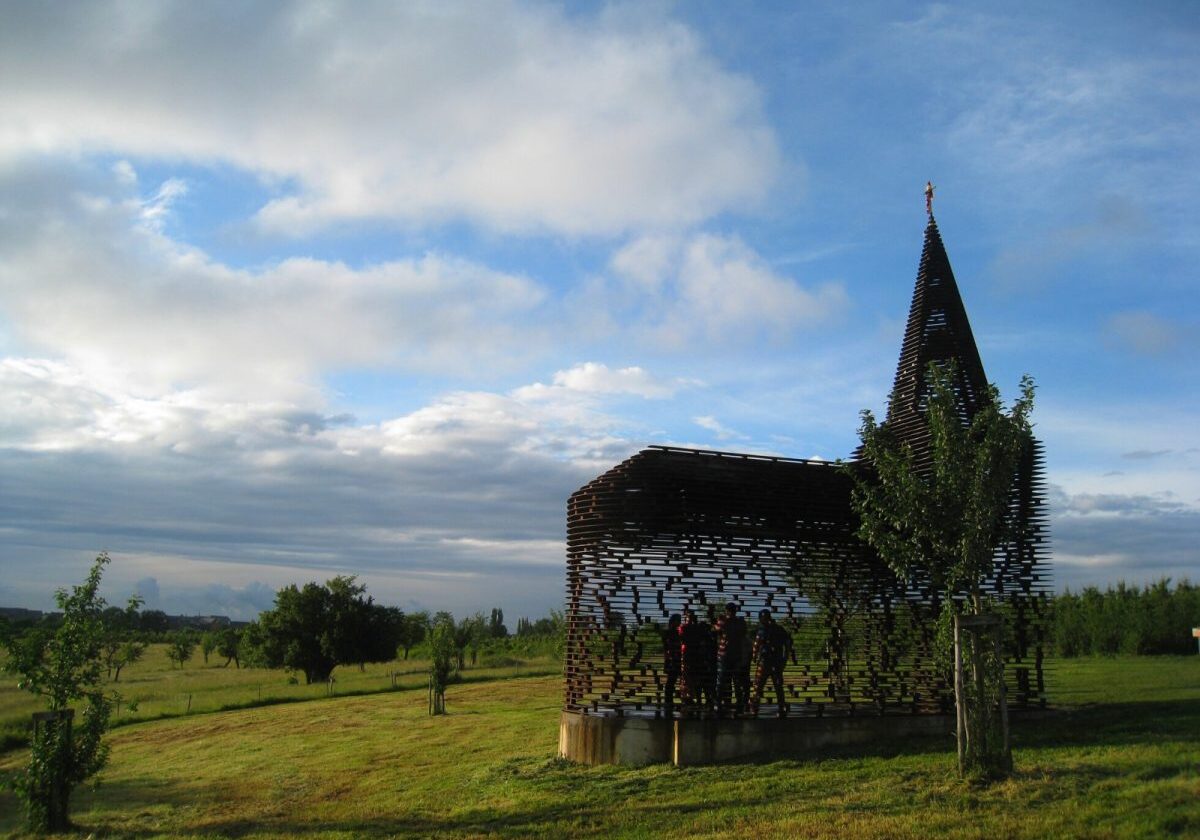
column 772, row 646
column 698, row 677
column 733, row 661
column 672, row 662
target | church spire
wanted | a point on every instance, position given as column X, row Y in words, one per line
column 938, row 331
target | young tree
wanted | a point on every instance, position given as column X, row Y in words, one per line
column 127, row 653
column 443, row 655
column 118, row 646
column 63, row 666
column 476, row 633
column 180, row 647
column 944, row 511
column 316, row 628
column 208, row 643
column 460, row 634
column 229, row 643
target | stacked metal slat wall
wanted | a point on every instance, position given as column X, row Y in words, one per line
column 670, row 529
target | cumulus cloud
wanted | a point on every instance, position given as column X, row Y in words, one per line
column 147, row 590
column 714, row 288
column 597, row 378
column 456, row 501
column 90, row 277
column 516, row 116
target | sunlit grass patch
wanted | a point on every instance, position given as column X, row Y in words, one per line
column 1119, row 763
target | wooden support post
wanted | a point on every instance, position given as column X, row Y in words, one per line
column 959, row 706
column 1003, row 697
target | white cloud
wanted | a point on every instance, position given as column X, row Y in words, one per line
column 647, row 261
column 513, row 115
column 597, row 378
column 713, row 425
column 89, row 277
column 713, row 289
column 467, row 488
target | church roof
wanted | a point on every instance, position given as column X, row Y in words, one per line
column 937, row 331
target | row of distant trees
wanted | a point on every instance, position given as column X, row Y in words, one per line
column 1156, row 619
column 314, row 628
column 311, row 629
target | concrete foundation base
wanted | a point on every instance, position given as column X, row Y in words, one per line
column 592, row 739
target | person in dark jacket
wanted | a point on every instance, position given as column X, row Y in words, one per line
column 772, row 646
column 672, row 662
column 698, row 677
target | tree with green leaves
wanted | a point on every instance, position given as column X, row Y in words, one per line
column 208, row 643
column 413, row 630
column 945, row 511
column 444, row 654
column 315, row 628
column 942, row 511
column 474, row 633
column 180, row 647
column 229, row 643
column 120, row 646
column 496, row 628
column 127, row 652
column 461, row 634
column 153, row 621
column 64, row 667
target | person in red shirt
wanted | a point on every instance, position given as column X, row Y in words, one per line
column 733, row 661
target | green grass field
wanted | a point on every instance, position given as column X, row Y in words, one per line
column 1121, row 760
column 157, row 690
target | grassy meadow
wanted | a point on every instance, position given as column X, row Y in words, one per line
column 152, row 688
column 1122, row 759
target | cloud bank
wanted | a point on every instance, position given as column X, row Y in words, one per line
column 515, row 116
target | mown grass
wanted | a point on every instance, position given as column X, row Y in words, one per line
column 153, row 688
column 1121, row 760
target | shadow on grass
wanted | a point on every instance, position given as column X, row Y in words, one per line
column 573, row 800
column 561, row 820
column 1112, row 724
column 1097, row 725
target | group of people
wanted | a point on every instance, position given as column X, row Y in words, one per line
column 709, row 664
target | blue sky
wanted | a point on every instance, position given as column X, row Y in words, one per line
column 290, row 290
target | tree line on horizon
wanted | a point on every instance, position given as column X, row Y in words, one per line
column 311, row 630
column 1154, row 619
column 314, row 628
